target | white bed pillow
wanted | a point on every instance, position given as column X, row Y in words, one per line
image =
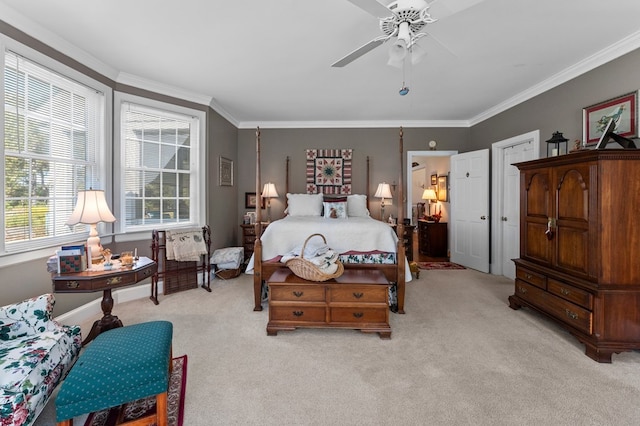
column 357, row 205
column 304, row 204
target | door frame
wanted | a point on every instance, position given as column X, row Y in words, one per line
column 497, row 181
column 409, row 169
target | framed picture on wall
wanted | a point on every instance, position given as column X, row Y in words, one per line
column 226, row 172
column 250, row 200
column 624, row 112
column 434, row 180
column 443, row 190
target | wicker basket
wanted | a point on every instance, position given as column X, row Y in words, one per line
column 307, row 270
column 227, row 274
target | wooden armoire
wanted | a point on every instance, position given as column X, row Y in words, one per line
column 579, row 246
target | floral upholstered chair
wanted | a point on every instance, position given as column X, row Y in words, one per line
column 36, row 353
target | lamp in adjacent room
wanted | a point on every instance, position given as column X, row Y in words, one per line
column 90, row 209
column 269, row 192
column 384, row 191
column 429, row 194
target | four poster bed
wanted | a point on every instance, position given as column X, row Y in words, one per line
column 363, row 242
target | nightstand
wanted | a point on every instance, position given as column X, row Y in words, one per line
column 407, row 240
column 249, row 238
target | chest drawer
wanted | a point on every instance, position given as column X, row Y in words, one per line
column 358, row 294
column 298, row 313
column 294, row 293
column 570, row 293
column 531, row 277
column 357, row 314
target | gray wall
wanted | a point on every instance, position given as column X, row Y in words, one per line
column 380, row 144
column 560, row 108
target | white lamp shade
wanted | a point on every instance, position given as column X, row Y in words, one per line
column 429, row 194
column 269, row 191
column 384, row 191
column 91, row 208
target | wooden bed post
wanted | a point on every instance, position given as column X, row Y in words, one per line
column 257, row 247
column 400, row 228
column 368, row 182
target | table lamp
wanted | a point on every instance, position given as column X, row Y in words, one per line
column 384, row 191
column 430, row 195
column 90, row 209
column 269, row 192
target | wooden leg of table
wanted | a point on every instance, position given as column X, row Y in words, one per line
column 107, row 322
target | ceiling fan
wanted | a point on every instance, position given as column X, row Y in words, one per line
column 402, row 21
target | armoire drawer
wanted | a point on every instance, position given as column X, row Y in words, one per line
column 563, row 310
column 570, row 293
column 531, row 277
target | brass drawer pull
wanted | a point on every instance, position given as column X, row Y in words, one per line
column 298, row 313
column 358, row 314
column 522, row 290
column 73, row 284
column 528, row 276
column 571, row 315
column 298, row 293
column 114, row 280
column 564, row 291
column 358, row 295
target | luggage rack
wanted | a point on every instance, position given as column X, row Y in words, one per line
column 175, row 275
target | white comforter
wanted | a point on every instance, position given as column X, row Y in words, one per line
column 361, row 234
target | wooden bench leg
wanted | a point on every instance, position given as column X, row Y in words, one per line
column 68, row 422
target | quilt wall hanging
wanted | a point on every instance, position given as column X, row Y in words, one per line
column 329, row 171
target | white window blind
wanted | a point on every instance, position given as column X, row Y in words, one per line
column 158, row 150
column 52, row 128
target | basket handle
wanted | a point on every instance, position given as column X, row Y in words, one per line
column 307, row 240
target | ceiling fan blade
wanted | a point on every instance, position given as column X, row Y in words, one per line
column 374, row 7
column 360, row 51
column 440, row 9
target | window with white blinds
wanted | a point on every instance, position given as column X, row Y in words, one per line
column 53, row 130
column 159, row 150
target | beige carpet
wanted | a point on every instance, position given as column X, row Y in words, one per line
column 460, row 356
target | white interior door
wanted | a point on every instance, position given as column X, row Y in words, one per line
column 470, row 209
column 505, row 233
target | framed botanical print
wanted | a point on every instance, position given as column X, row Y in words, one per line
column 226, row 172
column 434, row 180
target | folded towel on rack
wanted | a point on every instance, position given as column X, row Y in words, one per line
column 185, row 244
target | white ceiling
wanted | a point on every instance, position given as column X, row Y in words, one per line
column 268, row 62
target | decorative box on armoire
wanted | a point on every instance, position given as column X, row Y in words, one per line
column 579, row 240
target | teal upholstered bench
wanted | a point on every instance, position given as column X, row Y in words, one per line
column 119, row 366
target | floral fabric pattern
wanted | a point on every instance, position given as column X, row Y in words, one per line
column 36, row 352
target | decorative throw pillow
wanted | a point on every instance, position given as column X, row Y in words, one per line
column 335, row 210
column 304, row 204
column 357, row 205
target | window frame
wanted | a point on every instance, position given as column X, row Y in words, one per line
column 197, row 164
column 42, row 248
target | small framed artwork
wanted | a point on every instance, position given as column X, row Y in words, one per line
column 250, row 200
column 624, row 112
column 226, row 172
column 443, row 190
column 434, row 180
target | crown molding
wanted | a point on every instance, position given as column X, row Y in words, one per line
column 162, row 89
column 351, row 124
column 32, row 29
column 616, row 50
